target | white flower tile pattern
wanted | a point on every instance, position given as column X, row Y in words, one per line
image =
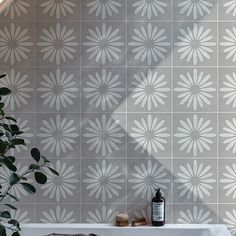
column 124, row 97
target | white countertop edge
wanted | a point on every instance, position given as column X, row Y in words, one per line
column 108, row 226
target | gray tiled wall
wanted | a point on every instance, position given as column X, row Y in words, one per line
column 125, row 96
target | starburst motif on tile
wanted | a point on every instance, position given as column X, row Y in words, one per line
column 149, row 8
column 104, row 89
column 104, row 135
column 104, row 8
column 58, row 44
column 149, row 44
column 195, row 44
column 104, row 180
column 195, row 215
column 147, row 178
column 195, row 135
column 21, row 89
column 149, row 90
column 58, row 135
column 230, row 90
column 230, row 221
column 195, row 89
column 58, row 89
column 104, row 44
column 62, row 186
column 229, row 180
column 229, row 135
column 230, row 7
column 15, row 44
column 105, row 215
column 16, row 190
column 195, row 8
column 17, row 8
column 149, row 134
column 230, row 44
column 58, row 8
column 60, row 215
column 195, row 180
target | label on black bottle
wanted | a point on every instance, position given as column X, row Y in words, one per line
column 158, row 211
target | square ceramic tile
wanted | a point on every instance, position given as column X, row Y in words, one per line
column 226, row 176
column 17, row 44
column 227, row 214
column 189, row 179
column 145, row 176
column 195, row 213
column 226, row 10
column 58, row 44
column 21, row 82
column 149, row 43
column 17, row 190
column 19, row 11
column 103, row 11
column 149, row 89
column 64, row 188
column 101, row 213
column 58, row 10
column 149, row 135
column 103, row 89
column 227, row 88
column 58, row 213
column 58, row 135
column 227, row 54
column 195, row 135
column 195, row 89
column 195, row 44
column 137, row 211
column 103, row 181
column 103, row 44
column 195, row 11
column 58, row 90
column 103, row 136
column 226, row 145
column 149, row 11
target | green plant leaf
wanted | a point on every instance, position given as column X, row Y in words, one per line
column 4, row 91
column 18, row 141
column 14, row 222
column 2, row 230
column 13, row 197
column 9, row 165
column 40, row 177
column 15, row 234
column 3, row 75
column 11, row 118
column 53, row 171
column 28, row 187
column 14, row 179
column 5, row 214
column 35, row 153
column 10, row 206
column 11, row 159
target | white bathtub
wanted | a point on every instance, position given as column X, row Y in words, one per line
column 108, row 230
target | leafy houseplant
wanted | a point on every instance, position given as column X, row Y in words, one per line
column 9, row 139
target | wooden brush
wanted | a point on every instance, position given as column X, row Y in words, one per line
column 122, row 220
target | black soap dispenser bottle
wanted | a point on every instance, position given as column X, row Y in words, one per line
column 158, row 209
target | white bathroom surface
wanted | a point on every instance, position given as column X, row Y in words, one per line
column 108, row 230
